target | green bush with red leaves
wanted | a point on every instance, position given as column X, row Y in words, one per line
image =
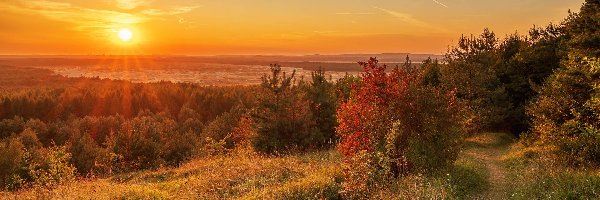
column 397, row 125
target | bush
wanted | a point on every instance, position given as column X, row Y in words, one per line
column 402, row 125
column 222, row 126
column 11, row 156
column 29, row 139
column 45, row 167
column 180, row 147
column 361, row 176
column 566, row 115
column 11, row 126
column 49, row 167
column 141, row 142
column 281, row 118
column 88, row 157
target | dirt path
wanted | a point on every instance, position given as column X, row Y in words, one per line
column 489, row 148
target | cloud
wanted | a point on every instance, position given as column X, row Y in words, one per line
column 440, row 3
column 166, row 12
column 47, row 5
column 409, row 19
column 130, row 4
column 94, row 21
column 82, row 17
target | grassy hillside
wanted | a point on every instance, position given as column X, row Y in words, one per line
column 247, row 177
column 241, row 176
column 491, row 166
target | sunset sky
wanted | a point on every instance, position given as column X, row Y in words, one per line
column 208, row 27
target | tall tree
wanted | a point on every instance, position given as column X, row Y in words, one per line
column 471, row 70
column 322, row 100
column 282, row 118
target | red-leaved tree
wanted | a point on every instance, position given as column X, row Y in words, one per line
column 396, row 123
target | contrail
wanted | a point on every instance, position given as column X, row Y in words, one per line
column 441, row 4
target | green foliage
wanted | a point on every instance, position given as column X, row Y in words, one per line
column 286, row 118
column 281, row 120
column 88, row 157
column 362, row 176
column 320, row 94
column 432, row 74
column 435, row 141
column 49, row 167
column 566, row 113
column 41, row 167
column 11, row 126
column 583, row 28
column 535, row 174
column 11, row 155
column 29, row 139
column 180, row 147
column 497, row 79
column 344, row 86
column 523, row 66
column 222, row 127
column 470, row 70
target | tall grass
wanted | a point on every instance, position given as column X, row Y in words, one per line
column 537, row 174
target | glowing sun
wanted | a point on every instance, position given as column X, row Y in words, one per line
column 125, row 35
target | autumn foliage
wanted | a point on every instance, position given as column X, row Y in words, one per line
column 400, row 123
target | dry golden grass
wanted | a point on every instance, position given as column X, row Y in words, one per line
column 246, row 177
column 318, row 175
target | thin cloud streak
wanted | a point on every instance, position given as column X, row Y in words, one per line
column 163, row 12
column 130, row 4
column 440, row 3
column 410, row 19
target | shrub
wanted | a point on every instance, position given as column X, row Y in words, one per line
column 281, row 118
column 38, row 126
column 29, row 139
column 566, row 115
column 361, row 176
column 180, row 147
column 88, row 157
column 141, row 141
column 402, row 125
column 11, row 155
column 222, row 126
column 11, row 126
column 344, row 87
column 45, row 167
column 49, row 166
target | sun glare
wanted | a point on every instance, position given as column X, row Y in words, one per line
column 125, row 35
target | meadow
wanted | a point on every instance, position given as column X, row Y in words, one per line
column 491, row 166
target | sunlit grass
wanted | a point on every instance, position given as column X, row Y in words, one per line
column 530, row 173
column 235, row 176
column 535, row 174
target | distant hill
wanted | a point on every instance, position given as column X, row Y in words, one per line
column 340, row 62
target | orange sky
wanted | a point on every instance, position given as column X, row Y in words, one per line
column 206, row 27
